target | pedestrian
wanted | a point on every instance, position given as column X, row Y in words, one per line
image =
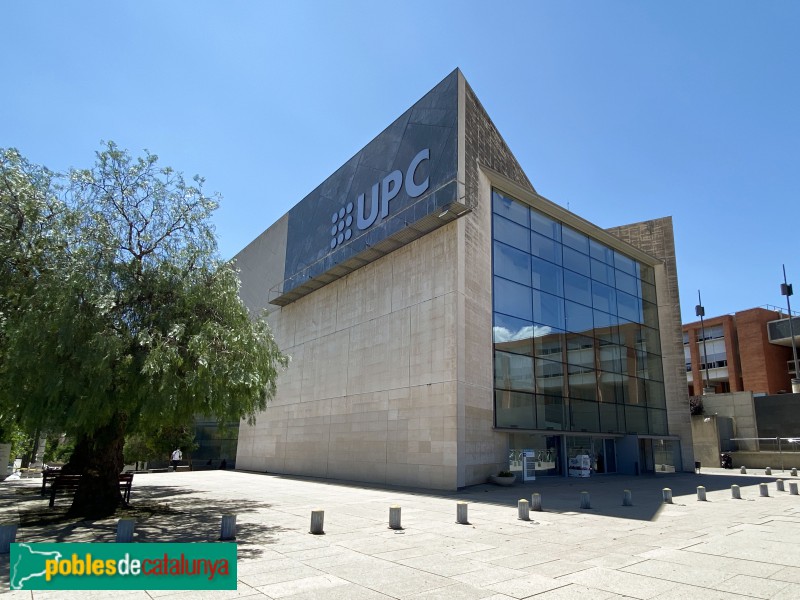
column 177, row 455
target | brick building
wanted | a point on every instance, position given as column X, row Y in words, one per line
column 741, row 356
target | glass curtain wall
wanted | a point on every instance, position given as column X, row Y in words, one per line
column 576, row 340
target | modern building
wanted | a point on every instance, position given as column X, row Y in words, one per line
column 445, row 321
column 748, row 351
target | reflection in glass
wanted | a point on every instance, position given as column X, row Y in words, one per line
column 545, row 225
column 508, row 208
column 514, row 409
column 550, row 412
column 608, row 417
column 658, row 421
column 513, row 371
column 512, row 264
column 549, row 377
column 577, row 288
column 601, row 252
column 545, row 248
column 602, row 272
column 575, row 261
column 548, row 309
column 512, row 299
column 584, row 415
column 573, row 239
column 582, row 383
column 512, row 335
column 635, row 419
column 512, row 234
column 547, row 277
column 579, row 318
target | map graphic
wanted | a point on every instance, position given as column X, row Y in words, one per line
column 29, row 564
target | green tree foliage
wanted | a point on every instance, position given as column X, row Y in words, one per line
column 117, row 315
column 158, row 445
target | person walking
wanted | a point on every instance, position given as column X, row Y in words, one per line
column 177, row 455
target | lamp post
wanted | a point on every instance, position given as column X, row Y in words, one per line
column 701, row 312
column 786, row 290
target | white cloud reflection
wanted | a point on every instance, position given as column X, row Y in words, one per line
column 503, row 334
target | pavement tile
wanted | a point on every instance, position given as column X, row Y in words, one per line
column 277, row 576
column 318, row 584
column 347, row 591
column 790, row 592
column 790, row 574
column 613, row 560
column 619, row 582
column 755, row 587
column 442, row 565
column 489, row 575
column 456, row 591
column 557, row 568
column 522, row 587
column 691, row 592
column 575, row 592
column 691, row 575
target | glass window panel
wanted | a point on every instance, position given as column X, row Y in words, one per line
column 576, row 261
column 512, row 335
column 627, row 283
column 573, row 239
column 549, row 377
column 653, row 367
column 545, row 248
column 623, row 263
column 513, row 371
column 604, row 298
column 611, row 357
column 609, row 336
column 636, row 392
column 656, row 398
column 630, row 334
column 549, row 346
column 512, row 234
column 514, row 409
column 548, row 309
column 584, row 415
column 608, row 418
column 601, row 252
column 650, row 311
column 545, row 225
column 547, row 277
column 646, row 273
column 550, row 412
column 603, row 320
column 636, row 419
column 583, row 384
column 648, row 292
column 658, row 421
column 580, row 351
column 650, row 340
column 611, row 387
column 512, row 299
column 510, row 209
column 602, row 272
column 629, row 307
column 577, row 288
column 512, row 264
column 579, row 318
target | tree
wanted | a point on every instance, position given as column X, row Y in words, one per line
column 118, row 316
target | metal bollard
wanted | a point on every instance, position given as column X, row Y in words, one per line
column 227, row 529
column 736, row 493
column 585, row 500
column 627, row 498
column 667, row 493
column 523, row 508
column 536, row 502
column 317, row 521
column 779, row 485
column 394, row 517
column 793, row 488
column 764, row 490
column 461, row 513
column 701, row 493
column 125, row 529
column 743, row 470
column 8, row 535
column 768, row 471
column 793, row 472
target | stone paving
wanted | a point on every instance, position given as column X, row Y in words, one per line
column 722, row 548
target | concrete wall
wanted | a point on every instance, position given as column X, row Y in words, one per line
column 656, row 238
column 739, row 407
column 705, row 436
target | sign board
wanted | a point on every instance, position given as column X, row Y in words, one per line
column 528, row 465
column 579, row 466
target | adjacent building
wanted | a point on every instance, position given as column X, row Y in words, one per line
column 445, row 321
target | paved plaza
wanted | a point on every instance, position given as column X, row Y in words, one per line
column 721, row 548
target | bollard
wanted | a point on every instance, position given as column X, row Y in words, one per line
column 793, row 488
column 585, row 500
column 701, row 493
column 461, row 513
column 764, row 490
column 125, row 529
column 667, row 493
column 794, row 472
column 627, row 498
column 8, row 535
column 522, row 510
column 743, row 470
column 227, row 530
column 768, row 471
column 317, row 521
column 394, row 517
column 536, row 502
column 736, row 493
column 779, row 485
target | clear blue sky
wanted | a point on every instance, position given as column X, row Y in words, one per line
column 623, row 111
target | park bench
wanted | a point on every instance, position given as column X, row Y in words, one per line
column 70, row 483
column 48, row 477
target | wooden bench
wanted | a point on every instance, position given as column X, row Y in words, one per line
column 71, row 483
column 48, row 477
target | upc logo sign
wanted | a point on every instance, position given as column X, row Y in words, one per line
column 382, row 193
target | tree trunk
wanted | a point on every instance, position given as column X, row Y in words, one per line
column 99, row 459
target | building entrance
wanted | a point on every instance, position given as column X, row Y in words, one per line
column 545, row 451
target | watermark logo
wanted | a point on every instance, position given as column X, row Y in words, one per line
column 123, row 567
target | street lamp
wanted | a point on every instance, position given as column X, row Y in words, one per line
column 701, row 312
column 786, row 290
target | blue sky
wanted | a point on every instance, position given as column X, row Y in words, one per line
column 623, row 111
